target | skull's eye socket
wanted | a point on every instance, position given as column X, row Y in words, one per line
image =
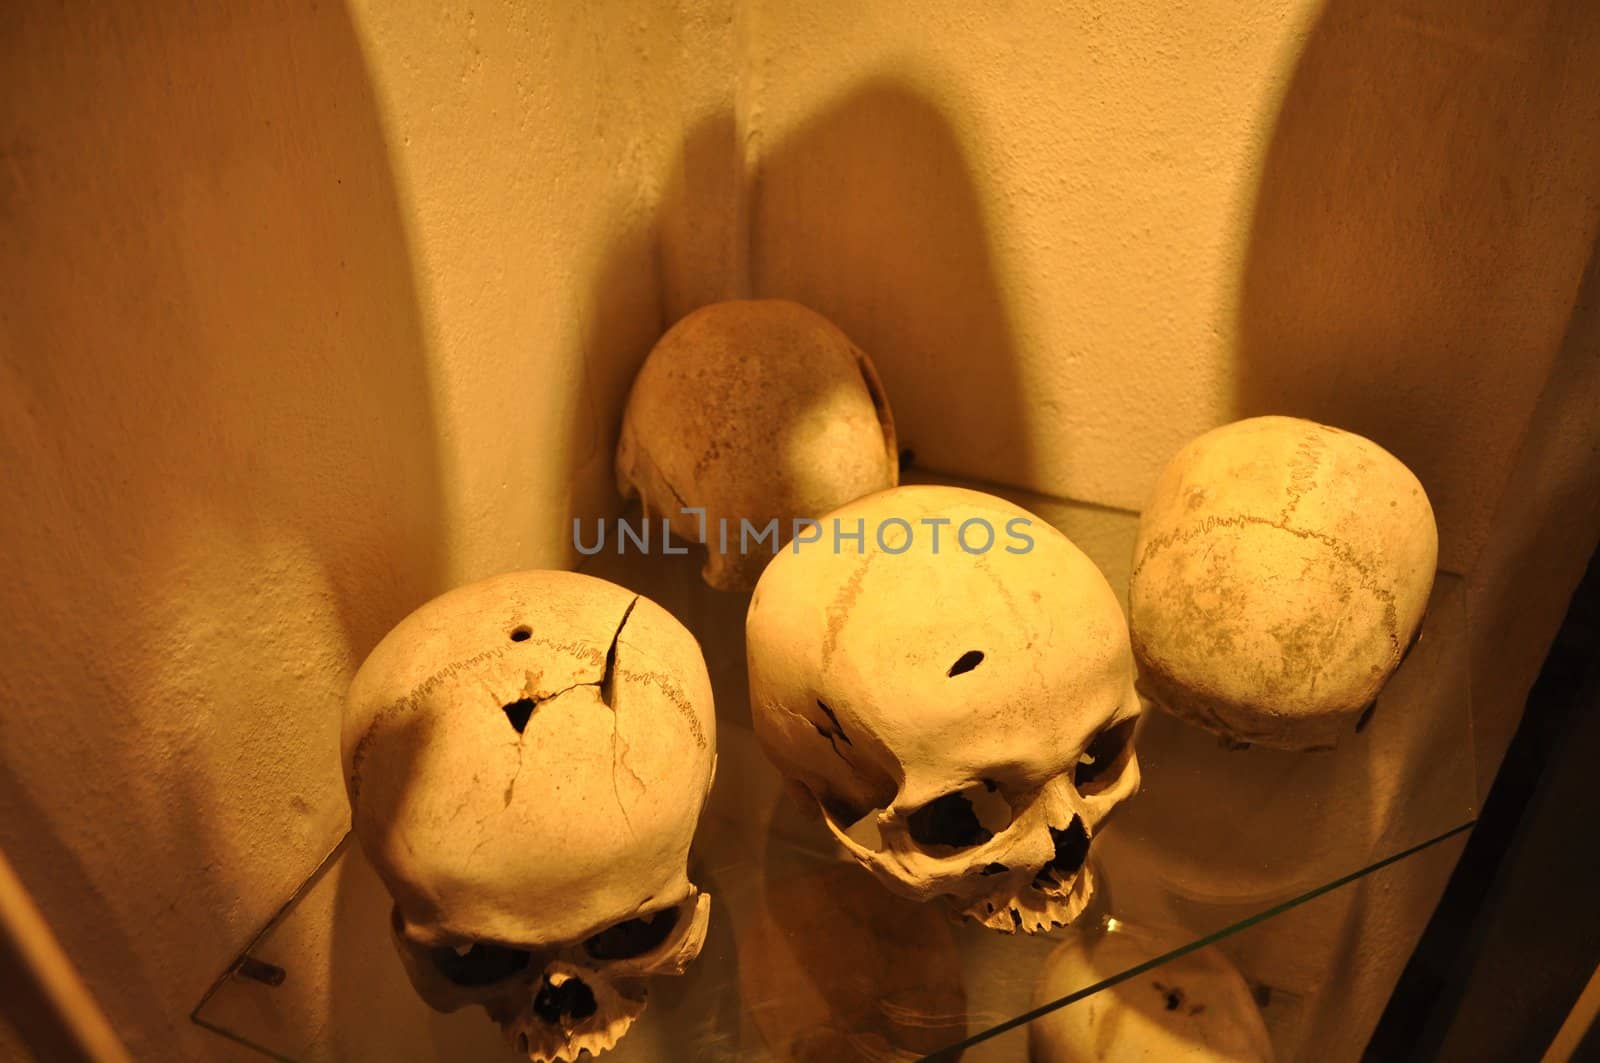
column 1102, row 763
column 632, row 937
column 479, row 965
column 960, row 820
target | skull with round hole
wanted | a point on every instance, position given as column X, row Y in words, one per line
column 956, row 697
column 757, row 411
column 1280, row 575
column 526, row 758
column 1195, row 1008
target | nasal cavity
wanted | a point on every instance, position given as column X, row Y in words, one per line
column 1072, row 848
column 519, row 712
column 571, row 1000
column 966, row 663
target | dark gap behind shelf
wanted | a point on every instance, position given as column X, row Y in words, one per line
column 1516, row 934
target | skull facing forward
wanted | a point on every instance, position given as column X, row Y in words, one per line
column 954, row 691
column 526, row 759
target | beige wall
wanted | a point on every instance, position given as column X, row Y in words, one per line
column 309, row 313
column 1075, row 236
column 533, row 146
column 315, row 310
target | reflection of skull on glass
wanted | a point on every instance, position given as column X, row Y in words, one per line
column 526, row 758
column 1196, row 1007
column 957, row 697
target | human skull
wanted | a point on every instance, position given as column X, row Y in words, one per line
column 526, row 758
column 1196, row 1008
column 1281, row 572
column 960, row 708
column 758, row 411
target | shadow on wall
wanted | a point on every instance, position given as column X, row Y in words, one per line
column 1425, row 211
column 686, row 253
column 683, row 255
column 220, row 486
column 692, row 249
column 620, row 322
column 869, row 214
column 700, row 236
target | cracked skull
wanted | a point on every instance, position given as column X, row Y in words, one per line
column 956, row 697
column 526, row 759
column 1280, row 575
column 753, row 410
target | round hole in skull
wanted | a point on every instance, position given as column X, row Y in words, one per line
column 479, row 964
column 965, row 663
column 521, row 633
column 570, row 1001
column 961, row 820
column 1101, row 763
column 632, row 937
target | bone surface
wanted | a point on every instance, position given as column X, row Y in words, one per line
column 758, row 411
column 526, row 759
column 962, row 719
column 1281, row 572
column 1194, row 1009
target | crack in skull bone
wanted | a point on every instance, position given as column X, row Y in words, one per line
column 608, row 675
column 608, row 694
column 606, row 685
column 835, row 735
column 511, row 787
column 838, row 728
column 807, row 721
column 1367, row 579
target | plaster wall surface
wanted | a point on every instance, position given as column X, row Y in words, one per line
column 533, row 146
column 310, row 312
column 314, row 310
column 1075, row 236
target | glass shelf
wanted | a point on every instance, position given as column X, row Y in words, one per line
column 808, row 958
